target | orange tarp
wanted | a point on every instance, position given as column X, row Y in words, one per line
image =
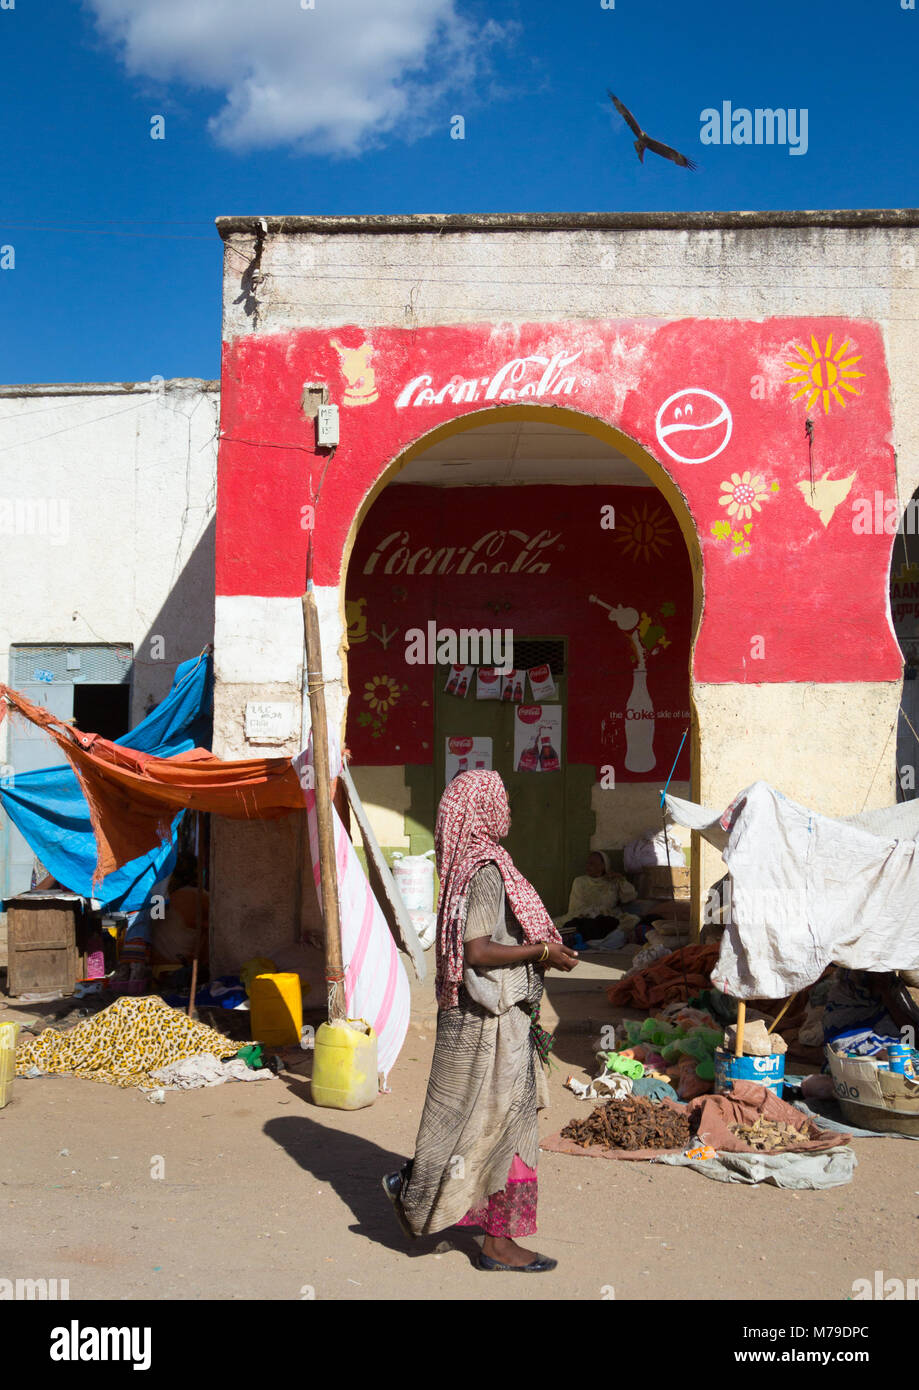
column 134, row 798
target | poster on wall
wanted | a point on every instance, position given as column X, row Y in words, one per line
column 459, row 681
column 512, row 686
column 537, row 738
column 463, row 753
column 542, row 684
column 488, row 684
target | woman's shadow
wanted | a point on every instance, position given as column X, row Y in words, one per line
column 354, row 1167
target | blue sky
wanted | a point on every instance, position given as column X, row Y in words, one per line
column 346, row 107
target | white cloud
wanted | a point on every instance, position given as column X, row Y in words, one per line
column 335, row 79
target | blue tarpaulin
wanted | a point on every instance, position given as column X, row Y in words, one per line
column 50, row 811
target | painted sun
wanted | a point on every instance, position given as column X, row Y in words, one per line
column 644, row 532
column 824, row 373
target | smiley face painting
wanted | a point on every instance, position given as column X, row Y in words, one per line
column 693, row 425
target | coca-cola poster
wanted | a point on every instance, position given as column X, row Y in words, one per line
column 488, row 683
column 512, row 686
column 459, row 680
column 463, row 753
column 538, row 738
column 542, row 685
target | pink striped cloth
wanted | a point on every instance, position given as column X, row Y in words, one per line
column 376, row 985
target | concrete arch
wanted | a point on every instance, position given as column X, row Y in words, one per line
column 572, row 419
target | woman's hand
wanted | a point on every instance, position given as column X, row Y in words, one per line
column 561, row 957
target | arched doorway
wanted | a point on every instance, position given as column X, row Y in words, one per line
column 567, row 543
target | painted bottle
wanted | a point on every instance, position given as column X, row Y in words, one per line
column 529, row 758
column 548, row 758
column 462, row 688
column 639, row 726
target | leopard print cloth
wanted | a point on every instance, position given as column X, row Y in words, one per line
column 123, row 1044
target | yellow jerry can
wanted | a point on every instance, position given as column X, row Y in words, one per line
column 345, row 1065
column 8, row 1035
column 276, row 1009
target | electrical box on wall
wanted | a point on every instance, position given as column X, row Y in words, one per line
column 327, row 426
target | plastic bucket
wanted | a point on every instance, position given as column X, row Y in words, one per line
column 8, row 1035
column 764, row 1071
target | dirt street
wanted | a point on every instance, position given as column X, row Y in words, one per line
column 249, row 1191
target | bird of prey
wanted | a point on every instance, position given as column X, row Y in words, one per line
column 644, row 141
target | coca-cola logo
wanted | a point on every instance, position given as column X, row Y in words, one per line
column 539, row 673
column 487, row 676
column 495, row 552
column 459, row 745
column 520, row 378
column 529, row 714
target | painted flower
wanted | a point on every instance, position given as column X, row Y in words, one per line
column 381, row 693
column 743, row 495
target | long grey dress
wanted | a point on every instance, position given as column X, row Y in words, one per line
column 487, row 1082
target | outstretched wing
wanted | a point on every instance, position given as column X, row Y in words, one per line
column 625, row 113
column 668, row 152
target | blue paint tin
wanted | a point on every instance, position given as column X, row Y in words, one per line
column 764, row 1071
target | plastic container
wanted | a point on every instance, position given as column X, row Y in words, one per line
column 900, row 1058
column 8, row 1035
column 276, row 1004
column 765, row 1071
column 345, row 1065
column 414, row 875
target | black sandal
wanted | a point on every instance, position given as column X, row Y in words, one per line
column 393, row 1185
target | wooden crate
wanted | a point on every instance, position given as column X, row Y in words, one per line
column 42, row 943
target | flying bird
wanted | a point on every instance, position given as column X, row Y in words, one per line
column 644, row 141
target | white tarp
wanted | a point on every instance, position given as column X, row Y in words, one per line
column 808, row 891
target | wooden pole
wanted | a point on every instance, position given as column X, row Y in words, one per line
column 783, row 1011
column 328, row 877
column 741, row 1020
column 199, row 916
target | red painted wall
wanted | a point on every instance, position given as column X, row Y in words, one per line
column 792, row 591
column 470, row 542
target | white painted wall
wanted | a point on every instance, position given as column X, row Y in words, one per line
column 115, row 540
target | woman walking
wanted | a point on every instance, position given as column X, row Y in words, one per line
column 476, row 1152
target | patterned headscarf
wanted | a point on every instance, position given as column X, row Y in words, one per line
column 472, row 817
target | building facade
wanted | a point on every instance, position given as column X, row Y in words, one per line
column 107, row 515
column 654, row 459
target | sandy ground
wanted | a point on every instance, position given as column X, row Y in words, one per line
column 263, row 1195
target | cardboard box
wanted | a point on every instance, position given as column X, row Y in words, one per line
column 874, row 1099
column 663, row 881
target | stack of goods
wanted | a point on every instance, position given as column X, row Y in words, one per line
column 679, row 1051
column 630, row 1124
column 676, row 977
column 887, row 1053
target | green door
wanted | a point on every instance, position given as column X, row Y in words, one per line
column 537, row 841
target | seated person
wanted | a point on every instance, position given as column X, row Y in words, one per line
column 176, row 934
column 593, row 907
